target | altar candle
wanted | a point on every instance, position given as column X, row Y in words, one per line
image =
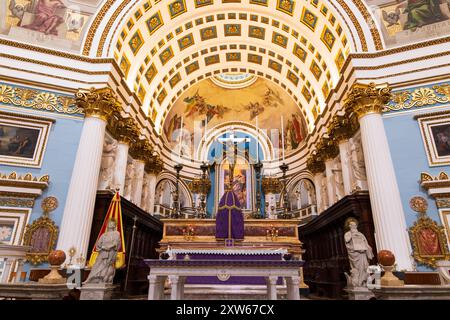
column 257, row 140
column 181, row 132
column 282, row 136
column 206, row 126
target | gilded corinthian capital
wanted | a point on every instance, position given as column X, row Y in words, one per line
column 367, row 98
column 99, row 103
column 343, row 127
column 141, row 150
column 125, row 130
column 154, row 164
column 315, row 164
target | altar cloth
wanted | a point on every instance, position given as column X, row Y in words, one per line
column 229, row 218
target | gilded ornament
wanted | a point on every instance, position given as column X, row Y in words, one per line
column 418, row 204
column 367, row 98
column 327, row 148
column 443, row 203
column 271, row 185
column 41, row 236
column 425, row 177
column 49, row 204
column 429, row 241
column 343, row 127
column 315, row 164
column 124, row 129
column 154, row 164
column 39, row 100
column 200, row 185
column 99, row 103
column 419, row 97
column 141, row 149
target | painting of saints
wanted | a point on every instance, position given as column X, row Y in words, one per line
column 18, row 142
column 40, row 240
column 296, row 131
column 46, row 19
column 173, row 125
column 441, row 136
column 422, row 12
column 428, row 241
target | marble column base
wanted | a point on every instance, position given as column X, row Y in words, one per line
column 96, row 291
column 359, row 293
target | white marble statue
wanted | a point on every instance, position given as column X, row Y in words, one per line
column 357, row 156
column 338, row 180
column 107, row 245
column 107, row 164
column 145, row 194
column 359, row 254
column 129, row 180
column 323, row 193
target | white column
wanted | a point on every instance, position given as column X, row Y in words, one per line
column 293, row 291
column 175, row 290
column 344, row 151
column 330, row 182
column 6, row 270
column 317, row 185
column 79, row 209
column 151, row 185
column 75, row 229
column 387, row 210
column 19, row 269
column 138, row 182
column 272, row 287
column 120, row 169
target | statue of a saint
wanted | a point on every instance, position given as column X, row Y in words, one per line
column 359, row 254
column 107, row 246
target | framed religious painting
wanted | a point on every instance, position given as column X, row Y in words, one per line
column 435, row 129
column 12, row 225
column 429, row 241
column 41, row 236
column 23, row 139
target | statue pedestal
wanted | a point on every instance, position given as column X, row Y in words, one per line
column 389, row 280
column 359, row 293
column 96, row 291
column 53, row 277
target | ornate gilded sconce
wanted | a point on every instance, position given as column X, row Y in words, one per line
column 201, row 186
column 272, row 233
column 271, row 185
column 188, row 233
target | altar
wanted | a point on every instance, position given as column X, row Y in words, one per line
column 178, row 270
column 265, row 241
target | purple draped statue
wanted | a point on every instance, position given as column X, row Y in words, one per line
column 229, row 219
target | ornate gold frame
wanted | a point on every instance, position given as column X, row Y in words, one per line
column 424, row 221
column 426, row 121
column 36, row 258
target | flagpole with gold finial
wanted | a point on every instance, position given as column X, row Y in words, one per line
column 115, row 213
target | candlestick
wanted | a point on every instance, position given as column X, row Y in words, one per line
column 282, row 136
column 257, row 139
column 180, row 134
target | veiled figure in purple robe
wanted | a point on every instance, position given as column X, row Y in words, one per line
column 229, row 219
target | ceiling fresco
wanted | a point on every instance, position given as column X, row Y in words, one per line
column 405, row 22
column 60, row 24
column 206, row 102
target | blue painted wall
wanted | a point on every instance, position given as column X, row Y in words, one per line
column 410, row 159
column 58, row 161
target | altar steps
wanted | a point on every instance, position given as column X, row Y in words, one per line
column 224, row 292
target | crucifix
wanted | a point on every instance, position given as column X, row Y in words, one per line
column 232, row 141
